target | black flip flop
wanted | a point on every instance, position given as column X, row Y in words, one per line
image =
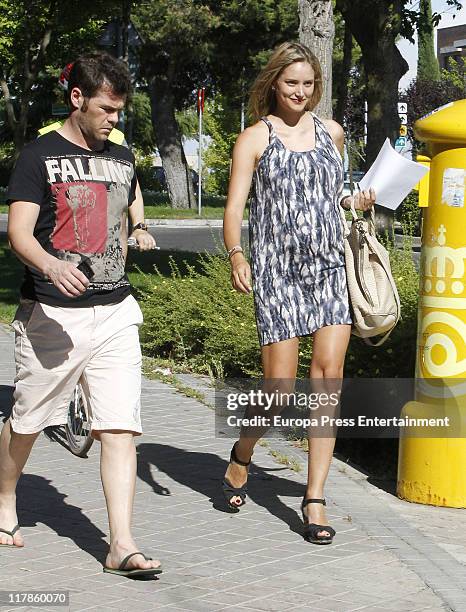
column 10, row 533
column 129, row 573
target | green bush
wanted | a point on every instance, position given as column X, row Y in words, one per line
column 146, row 173
column 396, row 358
column 7, row 160
column 199, row 321
column 409, row 214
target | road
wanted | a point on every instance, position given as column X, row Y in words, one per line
column 192, row 239
column 199, row 238
column 176, row 237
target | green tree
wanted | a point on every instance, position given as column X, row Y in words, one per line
column 217, row 44
column 32, row 32
column 222, row 125
column 244, row 39
column 346, row 54
column 424, row 95
column 174, row 63
column 376, row 26
column 142, row 129
column 427, row 63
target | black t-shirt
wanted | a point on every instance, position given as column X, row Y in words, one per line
column 83, row 197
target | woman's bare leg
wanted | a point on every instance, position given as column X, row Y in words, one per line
column 279, row 361
column 328, row 357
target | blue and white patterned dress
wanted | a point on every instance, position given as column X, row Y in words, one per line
column 296, row 239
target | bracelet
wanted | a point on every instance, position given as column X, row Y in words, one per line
column 234, row 250
column 342, row 205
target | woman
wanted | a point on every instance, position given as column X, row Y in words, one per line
column 296, row 247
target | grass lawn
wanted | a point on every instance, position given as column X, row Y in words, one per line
column 11, row 273
column 166, row 212
column 156, row 206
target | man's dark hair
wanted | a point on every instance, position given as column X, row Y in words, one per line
column 91, row 71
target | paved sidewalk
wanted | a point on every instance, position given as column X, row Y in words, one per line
column 386, row 555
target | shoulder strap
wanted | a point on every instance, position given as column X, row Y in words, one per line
column 269, row 125
column 320, row 125
column 343, row 218
column 50, row 128
column 117, row 137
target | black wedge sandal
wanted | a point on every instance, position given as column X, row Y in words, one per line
column 312, row 529
column 229, row 490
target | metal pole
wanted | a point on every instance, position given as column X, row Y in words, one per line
column 242, row 115
column 199, row 182
column 365, row 122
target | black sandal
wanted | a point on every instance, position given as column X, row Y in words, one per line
column 122, row 570
column 229, row 490
column 312, row 529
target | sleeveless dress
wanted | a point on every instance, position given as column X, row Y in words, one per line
column 296, row 239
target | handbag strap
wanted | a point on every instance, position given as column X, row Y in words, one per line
column 382, row 339
column 343, row 219
column 370, row 222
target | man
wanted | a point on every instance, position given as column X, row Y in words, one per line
column 144, row 240
column 77, row 321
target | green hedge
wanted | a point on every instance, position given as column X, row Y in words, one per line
column 409, row 214
column 196, row 319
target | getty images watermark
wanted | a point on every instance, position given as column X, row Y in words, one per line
column 348, row 408
column 268, row 400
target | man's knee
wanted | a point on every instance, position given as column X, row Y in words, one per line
column 114, row 436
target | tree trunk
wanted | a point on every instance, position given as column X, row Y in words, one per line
column 169, row 144
column 342, row 86
column 376, row 31
column 125, row 27
column 427, row 63
column 316, row 31
column 10, row 114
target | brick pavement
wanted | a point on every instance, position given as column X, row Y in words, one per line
column 387, row 555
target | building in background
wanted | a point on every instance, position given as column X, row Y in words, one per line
column 451, row 42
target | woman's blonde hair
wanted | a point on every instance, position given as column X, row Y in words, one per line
column 262, row 97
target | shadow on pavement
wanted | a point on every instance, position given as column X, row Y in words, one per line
column 51, row 509
column 6, row 401
column 376, row 458
column 40, row 502
column 204, row 472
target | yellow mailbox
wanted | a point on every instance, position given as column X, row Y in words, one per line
column 432, row 470
column 423, row 186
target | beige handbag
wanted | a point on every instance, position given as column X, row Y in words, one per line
column 372, row 291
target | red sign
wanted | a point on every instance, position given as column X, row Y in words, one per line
column 200, row 100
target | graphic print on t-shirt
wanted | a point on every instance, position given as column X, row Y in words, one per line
column 83, row 198
column 81, row 221
column 90, row 194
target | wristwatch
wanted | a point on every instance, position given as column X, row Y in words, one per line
column 141, row 226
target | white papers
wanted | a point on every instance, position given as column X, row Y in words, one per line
column 392, row 176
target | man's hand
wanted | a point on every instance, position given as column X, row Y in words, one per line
column 145, row 241
column 66, row 277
